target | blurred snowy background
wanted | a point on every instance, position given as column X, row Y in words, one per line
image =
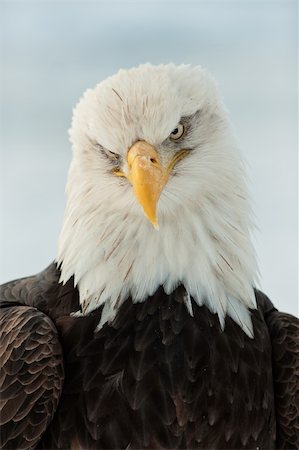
column 53, row 51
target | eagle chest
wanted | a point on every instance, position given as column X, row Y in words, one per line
column 159, row 378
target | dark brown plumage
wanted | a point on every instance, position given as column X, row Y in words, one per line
column 32, row 375
column 155, row 378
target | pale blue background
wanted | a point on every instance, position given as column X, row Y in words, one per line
column 53, row 51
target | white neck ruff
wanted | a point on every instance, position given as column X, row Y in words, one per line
column 117, row 254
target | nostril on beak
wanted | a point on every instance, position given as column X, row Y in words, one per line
column 153, row 160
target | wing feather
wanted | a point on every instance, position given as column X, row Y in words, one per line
column 284, row 332
column 31, row 375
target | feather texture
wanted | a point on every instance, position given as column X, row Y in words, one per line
column 31, row 375
column 284, row 332
column 156, row 377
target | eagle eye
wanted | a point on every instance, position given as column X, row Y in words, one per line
column 178, row 132
column 112, row 156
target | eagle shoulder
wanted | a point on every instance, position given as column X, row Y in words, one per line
column 31, row 357
column 32, row 375
column 284, row 335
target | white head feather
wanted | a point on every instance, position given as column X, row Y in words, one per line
column 203, row 241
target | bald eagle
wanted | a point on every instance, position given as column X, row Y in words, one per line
column 147, row 331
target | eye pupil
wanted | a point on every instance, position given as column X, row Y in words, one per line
column 175, row 131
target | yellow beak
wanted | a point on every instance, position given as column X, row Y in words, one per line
column 147, row 176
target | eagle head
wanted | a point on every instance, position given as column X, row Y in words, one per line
column 157, row 195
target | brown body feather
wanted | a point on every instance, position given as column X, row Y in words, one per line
column 155, row 378
column 31, row 375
